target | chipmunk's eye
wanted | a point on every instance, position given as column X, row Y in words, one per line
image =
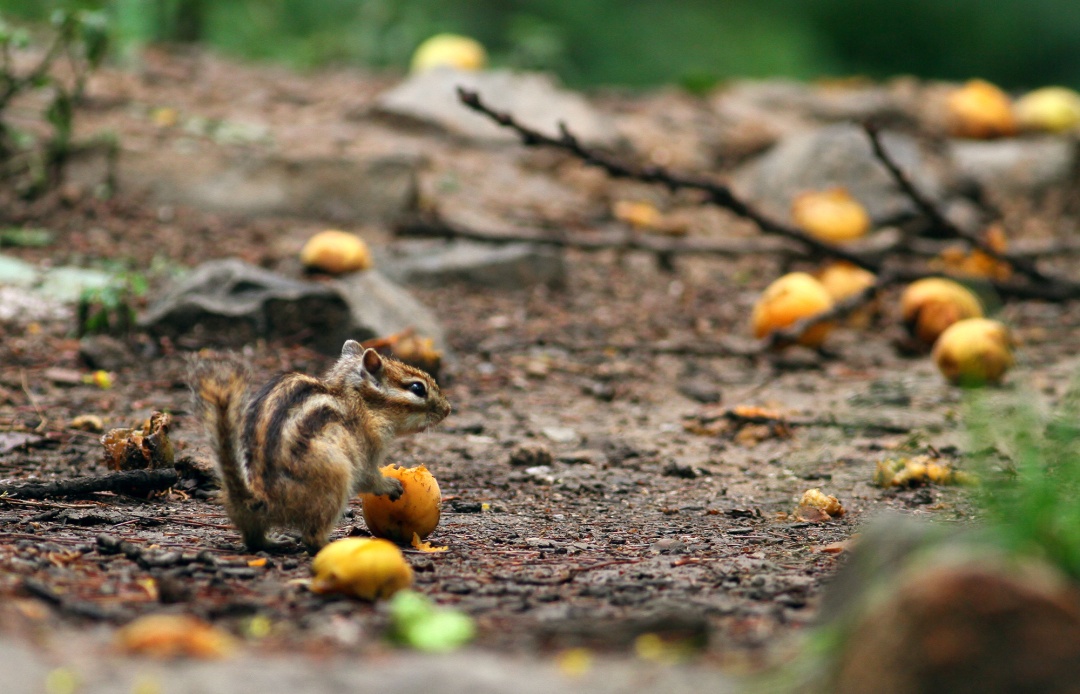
column 418, row 389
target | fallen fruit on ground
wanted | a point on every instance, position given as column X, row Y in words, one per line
column 174, row 636
column 843, row 280
column 336, row 252
column 789, row 299
column 980, row 110
column 816, row 506
column 974, row 352
column 831, row 215
column 364, row 567
column 929, row 306
column 1050, row 109
column 449, row 50
column 417, row 510
column 140, row 449
column 420, row 624
column 918, row 470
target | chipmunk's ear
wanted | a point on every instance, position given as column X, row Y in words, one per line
column 373, row 363
column 352, row 348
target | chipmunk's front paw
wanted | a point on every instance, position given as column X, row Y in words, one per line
column 390, row 487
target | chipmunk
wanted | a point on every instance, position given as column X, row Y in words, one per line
column 292, row 453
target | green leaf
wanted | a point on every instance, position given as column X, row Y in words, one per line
column 26, row 237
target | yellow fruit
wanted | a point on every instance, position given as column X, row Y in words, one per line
column 974, row 352
column 789, row 299
column 336, row 252
column 831, row 215
column 174, row 635
column 363, row 567
column 449, row 50
column 980, row 110
column 1053, row 109
column 929, row 306
column 828, row 504
column 843, row 280
column 417, row 510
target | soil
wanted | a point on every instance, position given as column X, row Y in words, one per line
column 650, row 516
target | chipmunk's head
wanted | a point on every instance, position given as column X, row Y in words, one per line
column 408, row 397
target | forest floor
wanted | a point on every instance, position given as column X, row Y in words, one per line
column 652, row 516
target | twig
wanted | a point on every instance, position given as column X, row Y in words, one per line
column 716, row 193
column 434, row 227
column 134, row 482
column 940, row 222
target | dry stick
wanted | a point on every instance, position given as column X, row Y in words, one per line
column 126, row 482
column 716, row 193
column 1047, row 287
column 598, row 241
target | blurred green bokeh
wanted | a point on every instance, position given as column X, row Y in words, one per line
column 632, row 42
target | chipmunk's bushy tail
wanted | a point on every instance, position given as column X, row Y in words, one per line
column 220, row 393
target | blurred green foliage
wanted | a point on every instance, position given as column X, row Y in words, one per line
column 633, row 42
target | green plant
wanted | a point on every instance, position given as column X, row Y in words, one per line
column 111, row 309
column 1030, row 463
column 79, row 41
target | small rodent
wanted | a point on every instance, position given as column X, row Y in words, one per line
column 291, row 454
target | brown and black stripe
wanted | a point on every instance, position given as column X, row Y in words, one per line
column 281, row 420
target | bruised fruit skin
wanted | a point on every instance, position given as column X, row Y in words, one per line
column 830, row 215
column 789, row 299
column 980, row 110
column 416, row 511
column 974, row 352
column 929, row 306
column 364, row 567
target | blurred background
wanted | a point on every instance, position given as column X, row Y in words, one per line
column 633, row 43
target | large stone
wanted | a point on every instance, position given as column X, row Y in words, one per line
column 379, row 307
column 511, row 266
column 837, row 155
column 229, row 302
column 430, row 97
column 379, row 190
column 1015, row 166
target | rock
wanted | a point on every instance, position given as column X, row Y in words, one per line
column 498, row 267
column 104, row 352
column 531, row 455
column 430, row 98
column 837, row 155
column 1015, row 166
column 229, row 302
column 379, row 307
column 379, row 190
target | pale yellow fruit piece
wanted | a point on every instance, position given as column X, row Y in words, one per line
column 929, row 306
column 789, row 299
column 642, row 215
column 1052, row 109
column 336, row 252
column 828, row 504
column 364, row 567
column 831, row 215
column 974, row 352
column 843, row 280
column 173, row 636
column 417, row 510
column 980, row 110
column 449, row 50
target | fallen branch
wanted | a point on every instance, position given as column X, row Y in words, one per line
column 716, row 193
column 433, row 227
column 133, row 482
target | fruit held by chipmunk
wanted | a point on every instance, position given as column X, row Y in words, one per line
column 449, row 50
column 980, row 110
column 929, row 306
column 336, row 252
column 1050, row 109
column 974, row 352
column 831, row 215
column 417, row 510
column 789, row 299
column 364, row 567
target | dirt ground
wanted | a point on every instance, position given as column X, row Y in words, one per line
column 646, row 520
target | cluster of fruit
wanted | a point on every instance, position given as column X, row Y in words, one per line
column 939, row 313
